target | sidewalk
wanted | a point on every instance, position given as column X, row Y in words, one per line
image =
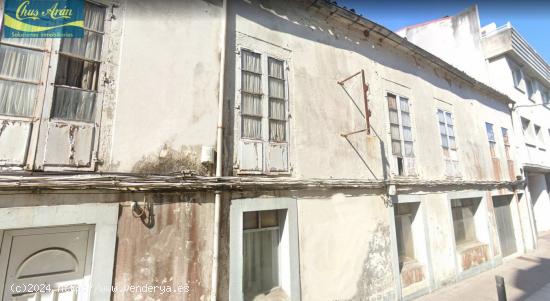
column 527, row 277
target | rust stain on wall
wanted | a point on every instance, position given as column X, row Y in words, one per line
column 412, row 273
column 511, row 170
column 474, row 256
column 174, row 252
column 496, row 169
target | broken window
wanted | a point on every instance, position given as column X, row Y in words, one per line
column 260, row 252
column 404, row 216
column 49, row 92
column 401, row 132
column 77, row 76
column 463, row 211
column 491, row 137
column 264, row 113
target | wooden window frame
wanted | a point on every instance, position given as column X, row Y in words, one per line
column 43, row 106
column 265, row 140
column 289, row 261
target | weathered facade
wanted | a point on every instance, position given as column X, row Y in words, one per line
column 500, row 57
column 350, row 164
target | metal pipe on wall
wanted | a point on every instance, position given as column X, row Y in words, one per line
column 219, row 154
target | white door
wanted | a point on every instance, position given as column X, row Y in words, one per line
column 46, row 264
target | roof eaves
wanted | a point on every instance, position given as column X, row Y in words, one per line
column 388, row 34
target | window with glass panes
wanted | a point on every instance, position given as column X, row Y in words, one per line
column 491, row 138
column 77, row 76
column 21, row 65
column 463, row 211
column 446, row 131
column 506, row 140
column 43, row 81
column 263, row 113
column 261, row 236
column 253, row 111
column 251, row 95
column 400, row 126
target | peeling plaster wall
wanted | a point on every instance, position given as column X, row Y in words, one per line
column 345, row 248
column 168, row 82
column 324, row 52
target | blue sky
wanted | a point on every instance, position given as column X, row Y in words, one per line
column 530, row 17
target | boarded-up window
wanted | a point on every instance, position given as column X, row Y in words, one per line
column 263, row 114
column 464, row 211
column 506, row 140
column 260, row 252
column 76, row 80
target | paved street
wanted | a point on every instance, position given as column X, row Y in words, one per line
column 527, row 277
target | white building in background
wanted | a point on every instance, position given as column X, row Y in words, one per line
column 500, row 57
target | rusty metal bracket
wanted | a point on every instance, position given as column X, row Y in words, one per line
column 365, row 99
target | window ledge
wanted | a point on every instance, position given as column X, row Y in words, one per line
column 264, row 174
column 465, row 246
column 411, row 177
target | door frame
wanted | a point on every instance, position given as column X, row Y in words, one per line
column 103, row 216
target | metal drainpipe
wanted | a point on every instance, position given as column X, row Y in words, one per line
column 219, row 155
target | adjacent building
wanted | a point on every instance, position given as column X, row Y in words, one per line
column 247, row 150
column 501, row 57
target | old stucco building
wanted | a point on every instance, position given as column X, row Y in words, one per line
column 501, row 57
column 349, row 164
